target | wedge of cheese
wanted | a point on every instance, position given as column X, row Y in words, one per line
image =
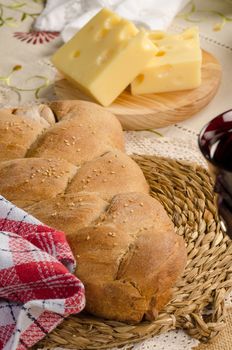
column 175, row 66
column 105, row 56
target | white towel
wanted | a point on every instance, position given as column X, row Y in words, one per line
column 68, row 16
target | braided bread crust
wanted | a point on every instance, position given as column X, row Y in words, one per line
column 65, row 164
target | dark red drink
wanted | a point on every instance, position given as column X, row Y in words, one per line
column 215, row 142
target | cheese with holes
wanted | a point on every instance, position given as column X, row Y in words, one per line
column 175, row 66
column 105, row 56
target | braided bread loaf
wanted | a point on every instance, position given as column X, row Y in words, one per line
column 65, row 164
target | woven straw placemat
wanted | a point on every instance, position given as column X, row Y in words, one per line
column 224, row 340
column 197, row 306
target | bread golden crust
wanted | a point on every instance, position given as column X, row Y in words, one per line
column 36, row 112
column 69, row 212
column 34, row 179
column 17, row 134
column 73, row 175
column 80, row 136
column 141, row 256
column 109, row 174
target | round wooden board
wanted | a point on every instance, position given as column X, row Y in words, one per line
column 156, row 110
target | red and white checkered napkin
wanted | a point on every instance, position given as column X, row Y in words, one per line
column 37, row 289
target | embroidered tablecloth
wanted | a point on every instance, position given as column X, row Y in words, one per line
column 27, row 76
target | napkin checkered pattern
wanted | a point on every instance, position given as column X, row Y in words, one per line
column 37, row 288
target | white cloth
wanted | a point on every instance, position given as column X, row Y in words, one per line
column 68, row 16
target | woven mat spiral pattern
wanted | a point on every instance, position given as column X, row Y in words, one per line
column 197, row 306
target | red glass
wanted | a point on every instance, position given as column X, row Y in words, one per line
column 215, row 142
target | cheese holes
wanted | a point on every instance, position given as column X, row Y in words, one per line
column 156, row 36
column 125, row 35
column 107, row 26
column 76, row 53
column 160, row 53
column 140, row 78
column 111, row 22
column 101, row 34
column 105, row 56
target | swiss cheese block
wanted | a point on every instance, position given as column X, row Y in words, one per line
column 105, row 56
column 175, row 66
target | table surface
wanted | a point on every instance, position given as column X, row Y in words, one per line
column 26, row 75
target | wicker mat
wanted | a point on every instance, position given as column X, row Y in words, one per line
column 224, row 340
column 197, row 306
